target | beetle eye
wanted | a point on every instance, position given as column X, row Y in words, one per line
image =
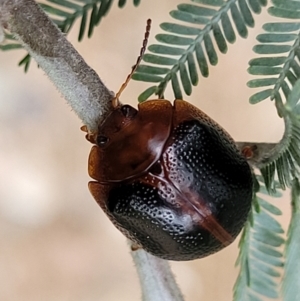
column 101, row 140
column 128, row 111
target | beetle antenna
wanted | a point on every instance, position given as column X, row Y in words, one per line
column 115, row 101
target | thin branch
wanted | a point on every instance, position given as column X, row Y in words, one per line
column 77, row 82
column 156, row 279
column 91, row 101
column 258, row 154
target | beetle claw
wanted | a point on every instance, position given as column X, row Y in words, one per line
column 135, row 246
column 91, row 137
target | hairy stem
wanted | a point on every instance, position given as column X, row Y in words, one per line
column 91, row 101
column 156, row 279
column 78, row 83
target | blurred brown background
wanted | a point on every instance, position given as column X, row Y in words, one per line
column 55, row 243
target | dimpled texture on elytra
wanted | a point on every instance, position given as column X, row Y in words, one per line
column 217, row 170
column 198, row 160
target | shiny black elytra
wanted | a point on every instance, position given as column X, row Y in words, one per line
column 169, row 177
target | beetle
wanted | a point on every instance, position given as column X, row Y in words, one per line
column 169, row 177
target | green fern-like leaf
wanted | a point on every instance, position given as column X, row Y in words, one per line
column 10, row 43
column 284, row 163
column 277, row 74
column 191, row 43
column 279, row 45
column 260, row 258
column 291, row 279
column 64, row 13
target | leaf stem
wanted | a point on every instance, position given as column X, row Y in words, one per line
column 257, row 153
column 198, row 39
column 260, row 154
